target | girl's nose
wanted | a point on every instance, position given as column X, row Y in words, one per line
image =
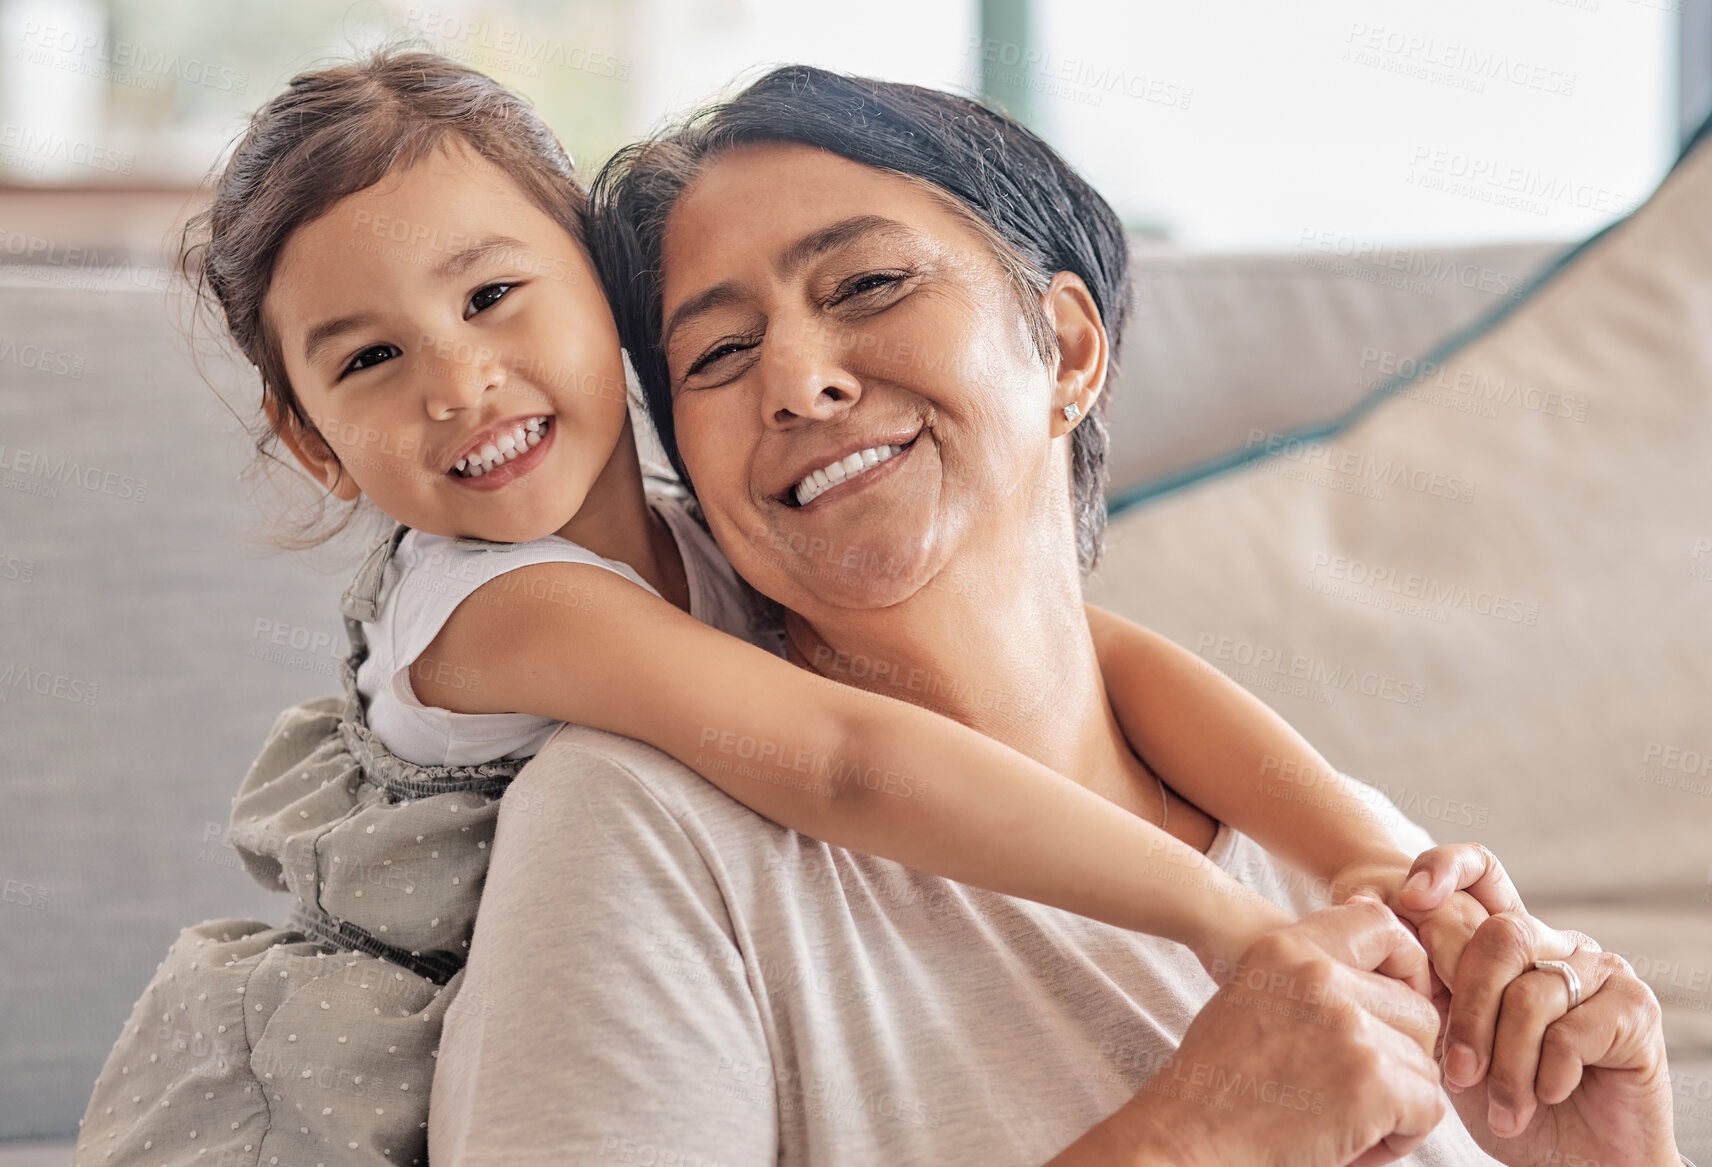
column 459, row 378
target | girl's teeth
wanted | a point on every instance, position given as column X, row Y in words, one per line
column 506, row 447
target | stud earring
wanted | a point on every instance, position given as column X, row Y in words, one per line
column 1072, row 411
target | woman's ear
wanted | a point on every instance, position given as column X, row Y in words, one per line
column 1081, row 372
column 311, row 451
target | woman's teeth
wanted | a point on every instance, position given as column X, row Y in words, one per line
column 846, row 468
column 506, row 447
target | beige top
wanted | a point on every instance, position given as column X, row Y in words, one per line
column 659, row 975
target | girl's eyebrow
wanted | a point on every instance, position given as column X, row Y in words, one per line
column 462, row 260
column 323, row 334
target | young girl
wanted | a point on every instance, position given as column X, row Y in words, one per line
column 395, row 245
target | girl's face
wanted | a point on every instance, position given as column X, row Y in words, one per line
column 453, row 348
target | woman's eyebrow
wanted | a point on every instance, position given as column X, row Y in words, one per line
column 815, row 243
column 835, row 235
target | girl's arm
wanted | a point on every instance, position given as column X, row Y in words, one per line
column 1230, row 754
column 851, row 768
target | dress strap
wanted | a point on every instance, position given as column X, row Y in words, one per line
column 361, row 600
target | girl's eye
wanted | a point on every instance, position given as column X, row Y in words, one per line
column 718, row 352
column 371, row 356
column 867, row 282
column 486, row 298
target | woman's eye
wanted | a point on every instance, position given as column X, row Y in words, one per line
column 867, row 282
column 718, row 352
column 487, row 297
column 371, row 356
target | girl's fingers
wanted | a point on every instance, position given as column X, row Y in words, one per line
column 1440, row 872
column 1445, row 932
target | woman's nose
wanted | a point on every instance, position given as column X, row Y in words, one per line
column 804, row 381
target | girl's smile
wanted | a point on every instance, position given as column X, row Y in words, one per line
column 437, row 374
column 504, row 454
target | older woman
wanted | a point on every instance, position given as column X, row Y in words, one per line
column 661, row 976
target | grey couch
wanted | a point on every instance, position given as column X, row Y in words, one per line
column 147, row 640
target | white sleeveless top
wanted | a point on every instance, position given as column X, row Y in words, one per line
column 430, row 575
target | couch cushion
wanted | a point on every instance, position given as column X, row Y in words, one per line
column 1218, row 344
column 1491, row 594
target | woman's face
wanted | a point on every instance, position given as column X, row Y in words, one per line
column 817, row 312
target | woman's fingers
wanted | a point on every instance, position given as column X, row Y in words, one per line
column 1439, row 872
column 1367, row 936
column 1532, row 1020
column 1503, row 948
column 1600, row 1033
column 1419, row 1108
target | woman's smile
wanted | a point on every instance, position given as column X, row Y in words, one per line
column 843, row 475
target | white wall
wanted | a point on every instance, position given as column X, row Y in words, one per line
column 1394, row 120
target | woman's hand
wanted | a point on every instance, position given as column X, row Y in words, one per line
column 1534, row 1080
column 1306, row 1056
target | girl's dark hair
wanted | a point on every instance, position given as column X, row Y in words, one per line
column 1041, row 215
column 332, row 133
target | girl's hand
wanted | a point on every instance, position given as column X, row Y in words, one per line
column 1449, row 892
